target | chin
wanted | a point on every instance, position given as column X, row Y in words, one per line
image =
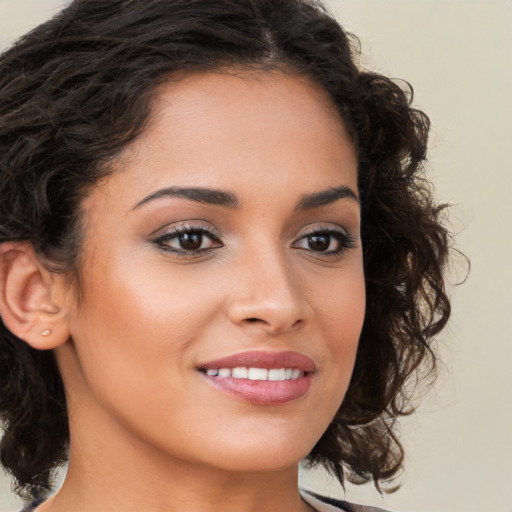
column 262, row 462
column 265, row 454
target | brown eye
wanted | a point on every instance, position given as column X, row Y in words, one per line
column 185, row 240
column 319, row 242
column 190, row 241
column 325, row 242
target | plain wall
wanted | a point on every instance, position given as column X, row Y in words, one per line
column 456, row 53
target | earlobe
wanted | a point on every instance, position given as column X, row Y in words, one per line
column 30, row 303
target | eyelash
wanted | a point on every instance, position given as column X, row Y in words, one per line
column 163, row 240
column 343, row 238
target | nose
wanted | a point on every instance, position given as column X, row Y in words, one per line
column 268, row 294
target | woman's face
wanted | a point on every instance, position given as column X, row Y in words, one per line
column 226, row 237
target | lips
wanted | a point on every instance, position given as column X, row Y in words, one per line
column 261, row 378
column 260, row 359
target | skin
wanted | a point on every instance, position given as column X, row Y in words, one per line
column 148, row 431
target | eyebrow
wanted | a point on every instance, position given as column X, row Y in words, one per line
column 199, row 194
column 229, row 200
column 325, row 197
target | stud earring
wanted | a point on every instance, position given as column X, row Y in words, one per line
column 46, row 332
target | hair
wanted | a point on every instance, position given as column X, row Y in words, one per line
column 79, row 88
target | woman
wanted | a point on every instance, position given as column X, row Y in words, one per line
column 219, row 257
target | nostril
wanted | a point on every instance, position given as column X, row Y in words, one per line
column 252, row 320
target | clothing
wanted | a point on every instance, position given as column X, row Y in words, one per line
column 325, row 504
column 319, row 503
column 32, row 505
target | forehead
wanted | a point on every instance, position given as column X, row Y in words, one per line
column 240, row 130
column 262, row 98
column 222, row 90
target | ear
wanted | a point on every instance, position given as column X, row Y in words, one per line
column 32, row 299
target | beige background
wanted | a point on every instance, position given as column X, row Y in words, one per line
column 457, row 55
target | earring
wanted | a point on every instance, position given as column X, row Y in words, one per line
column 46, row 332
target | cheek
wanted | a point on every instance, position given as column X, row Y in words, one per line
column 341, row 302
column 132, row 335
column 340, row 313
column 140, row 323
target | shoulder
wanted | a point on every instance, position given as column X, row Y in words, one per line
column 326, row 504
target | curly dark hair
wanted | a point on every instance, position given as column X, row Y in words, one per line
column 79, row 88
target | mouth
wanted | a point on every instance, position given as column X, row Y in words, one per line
column 252, row 373
column 261, row 378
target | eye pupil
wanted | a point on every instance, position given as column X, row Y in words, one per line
column 191, row 241
column 319, row 242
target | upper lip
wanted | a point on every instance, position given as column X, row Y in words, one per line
column 262, row 359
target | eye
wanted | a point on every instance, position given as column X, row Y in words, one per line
column 325, row 241
column 188, row 240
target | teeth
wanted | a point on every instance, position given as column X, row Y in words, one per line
column 257, row 374
column 277, row 374
column 274, row 374
column 239, row 373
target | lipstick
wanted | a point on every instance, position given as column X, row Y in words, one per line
column 261, row 377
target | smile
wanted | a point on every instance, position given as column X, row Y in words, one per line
column 261, row 377
column 273, row 374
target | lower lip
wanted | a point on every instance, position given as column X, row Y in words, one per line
column 263, row 392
